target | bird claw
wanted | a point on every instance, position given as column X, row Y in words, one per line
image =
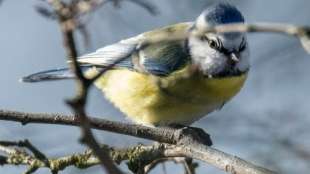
column 189, row 135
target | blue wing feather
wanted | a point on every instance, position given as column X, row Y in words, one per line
column 54, row 74
column 165, row 58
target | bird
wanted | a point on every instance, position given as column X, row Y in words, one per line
column 170, row 82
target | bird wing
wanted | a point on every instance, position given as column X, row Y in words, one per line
column 109, row 54
column 159, row 58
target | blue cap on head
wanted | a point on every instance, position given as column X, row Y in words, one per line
column 223, row 13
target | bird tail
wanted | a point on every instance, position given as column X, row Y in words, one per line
column 54, row 74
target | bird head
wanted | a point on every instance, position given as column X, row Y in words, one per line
column 219, row 54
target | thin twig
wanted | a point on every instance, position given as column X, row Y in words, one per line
column 26, row 144
column 66, row 15
column 16, row 156
column 301, row 32
column 148, row 168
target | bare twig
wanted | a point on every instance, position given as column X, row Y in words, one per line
column 149, row 167
column 81, row 9
column 300, row 151
column 138, row 156
column 301, row 32
column 26, row 144
column 189, row 167
column 66, row 17
column 16, row 156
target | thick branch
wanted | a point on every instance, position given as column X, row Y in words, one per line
column 190, row 149
column 166, row 135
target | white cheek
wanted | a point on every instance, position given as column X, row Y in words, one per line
column 200, row 50
column 214, row 63
column 209, row 60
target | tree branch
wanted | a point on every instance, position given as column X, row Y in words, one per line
column 191, row 147
column 26, row 144
column 165, row 135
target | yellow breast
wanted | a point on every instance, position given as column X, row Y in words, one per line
column 178, row 98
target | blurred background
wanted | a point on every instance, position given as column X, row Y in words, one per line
column 267, row 123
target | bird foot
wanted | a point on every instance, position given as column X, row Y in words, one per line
column 189, row 135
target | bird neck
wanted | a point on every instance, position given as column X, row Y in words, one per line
column 199, row 89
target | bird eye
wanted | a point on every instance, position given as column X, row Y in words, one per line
column 213, row 44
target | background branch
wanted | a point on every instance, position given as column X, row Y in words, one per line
column 301, row 32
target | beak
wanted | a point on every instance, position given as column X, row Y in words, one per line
column 234, row 57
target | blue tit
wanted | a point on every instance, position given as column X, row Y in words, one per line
column 170, row 81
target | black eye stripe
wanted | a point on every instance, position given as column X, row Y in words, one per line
column 213, row 43
column 225, row 51
column 218, row 45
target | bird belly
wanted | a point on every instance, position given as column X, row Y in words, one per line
column 146, row 99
